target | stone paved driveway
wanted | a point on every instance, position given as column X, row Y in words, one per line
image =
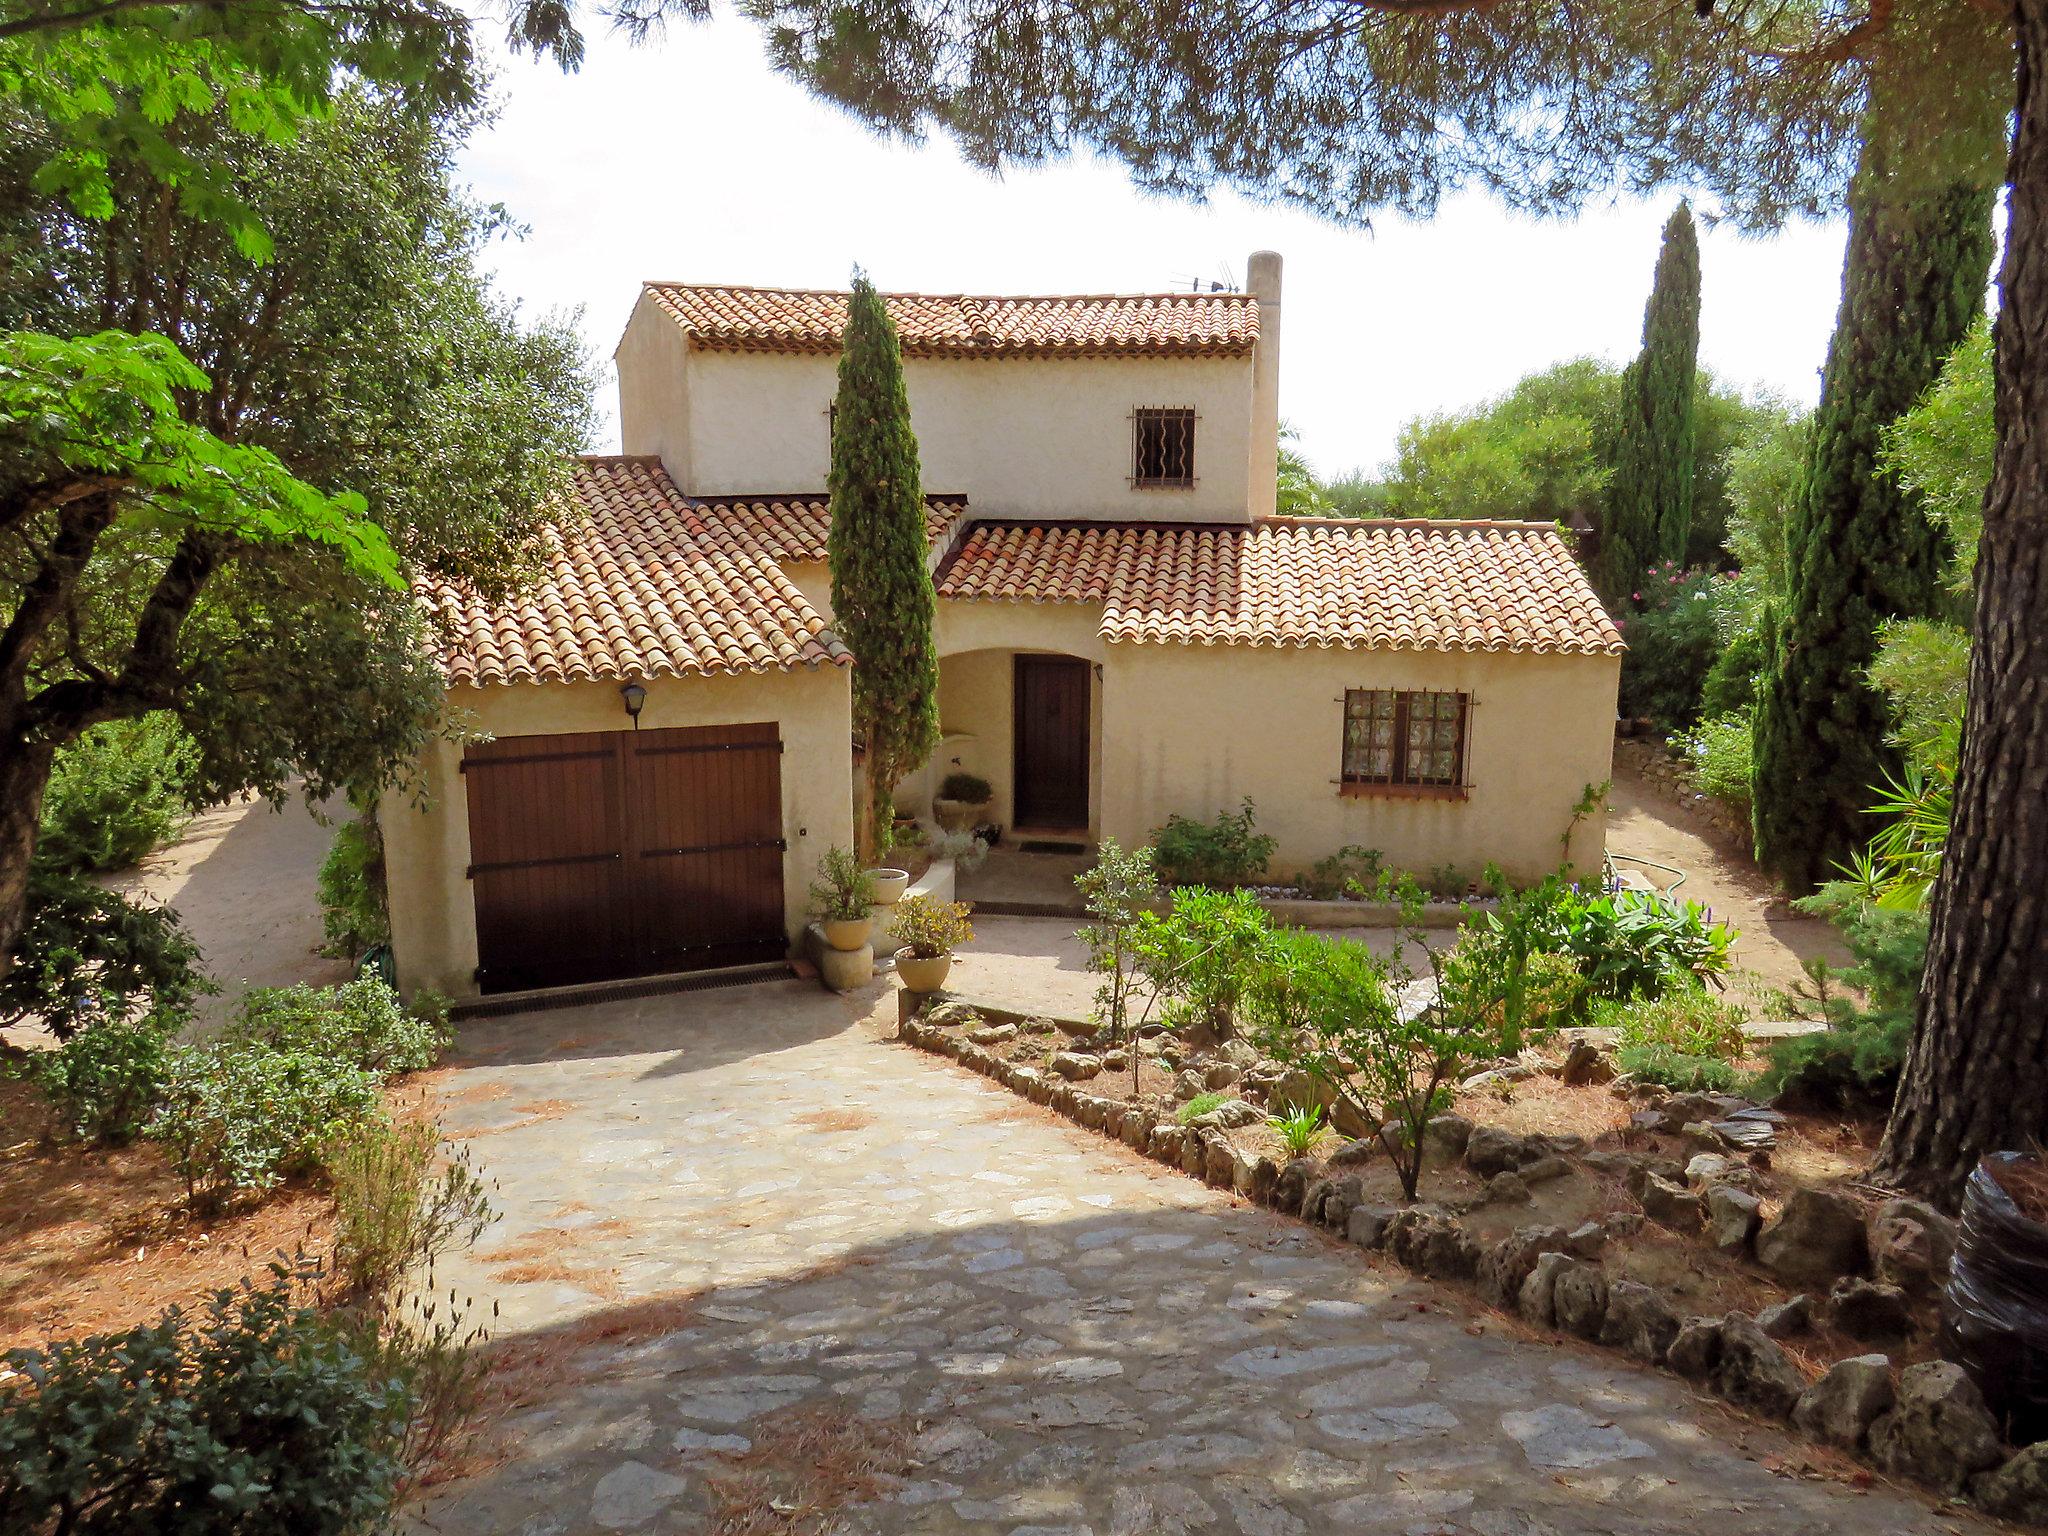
column 882, row 1258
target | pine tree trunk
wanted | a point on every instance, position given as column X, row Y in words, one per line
column 1976, row 1079
column 24, row 776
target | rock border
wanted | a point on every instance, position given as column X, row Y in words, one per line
column 1931, row 1428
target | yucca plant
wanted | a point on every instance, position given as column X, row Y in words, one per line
column 1300, row 1129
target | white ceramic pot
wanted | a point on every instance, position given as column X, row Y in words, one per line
column 922, row 975
column 890, row 884
column 846, row 933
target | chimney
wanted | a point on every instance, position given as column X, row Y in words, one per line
column 1263, row 283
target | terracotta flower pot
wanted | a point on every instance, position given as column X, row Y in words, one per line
column 846, row 933
column 890, row 884
column 960, row 815
column 922, row 975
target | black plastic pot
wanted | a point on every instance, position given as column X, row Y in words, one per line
column 1994, row 1312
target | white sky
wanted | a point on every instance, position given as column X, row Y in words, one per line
column 688, row 158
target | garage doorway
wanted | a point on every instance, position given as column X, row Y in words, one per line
column 608, row 854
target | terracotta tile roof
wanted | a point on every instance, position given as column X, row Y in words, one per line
column 794, row 528
column 649, row 584
column 1437, row 586
column 964, row 325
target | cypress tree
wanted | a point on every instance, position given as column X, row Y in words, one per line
column 1862, row 549
column 883, row 603
column 1649, row 499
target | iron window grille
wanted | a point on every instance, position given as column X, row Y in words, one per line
column 1163, row 446
column 1405, row 738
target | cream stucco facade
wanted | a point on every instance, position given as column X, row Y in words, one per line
column 426, row 841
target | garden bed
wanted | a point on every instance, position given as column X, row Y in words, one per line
column 1614, row 1212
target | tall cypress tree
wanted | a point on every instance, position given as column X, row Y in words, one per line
column 1649, row 500
column 1861, row 547
column 883, row 603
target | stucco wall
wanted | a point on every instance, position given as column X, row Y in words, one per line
column 433, row 919
column 1194, row 729
column 653, row 362
column 1020, row 437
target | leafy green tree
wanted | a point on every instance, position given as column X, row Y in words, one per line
column 163, row 543
column 1650, row 492
column 1115, row 889
column 883, row 602
column 1298, row 493
column 1865, row 552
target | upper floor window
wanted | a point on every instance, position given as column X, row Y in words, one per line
column 1163, row 445
column 1405, row 739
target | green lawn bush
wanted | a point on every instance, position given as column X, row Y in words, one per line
column 395, row 1211
column 1677, row 1071
column 1685, row 1018
column 362, row 1023
column 1201, row 955
column 1856, row 1060
column 1200, row 1105
column 1227, row 851
column 258, row 1416
column 1719, row 750
column 105, row 1081
column 1669, row 625
column 86, row 955
column 353, row 909
column 1635, row 942
column 120, row 791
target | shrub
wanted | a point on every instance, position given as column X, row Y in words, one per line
column 1115, row 891
column 1672, row 641
column 930, row 928
column 1721, row 764
column 1351, row 871
column 1686, row 1019
column 105, row 1080
column 1516, row 952
column 843, row 891
column 238, row 1117
column 1226, row 851
column 1655, row 1063
column 967, row 851
column 967, row 787
column 85, row 955
column 120, row 791
column 393, row 1213
column 1300, row 1129
column 353, row 909
column 1640, row 942
column 1857, row 1059
column 1201, row 954
column 361, row 1024
column 258, row 1416
column 1200, row 1105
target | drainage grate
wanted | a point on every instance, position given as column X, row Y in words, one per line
column 1029, row 909
column 551, row 998
column 1036, row 846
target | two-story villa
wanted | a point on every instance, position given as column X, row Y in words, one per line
column 1126, row 630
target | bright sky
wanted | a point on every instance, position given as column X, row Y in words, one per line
column 688, row 158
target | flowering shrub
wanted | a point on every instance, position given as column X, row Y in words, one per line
column 1672, row 641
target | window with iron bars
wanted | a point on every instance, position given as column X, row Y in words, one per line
column 1403, row 739
column 1163, row 446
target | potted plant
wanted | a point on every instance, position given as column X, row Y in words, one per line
column 962, row 802
column 891, row 882
column 928, row 930
column 841, row 897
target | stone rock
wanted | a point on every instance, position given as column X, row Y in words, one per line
column 1733, row 1216
column 1753, row 1371
column 1505, row 1189
column 1353, row 1153
column 1843, row 1404
column 1818, row 1237
column 1265, row 1175
column 1579, row 1299
column 1136, row 1131
column 992, row 1034
column 1585, row 1063
column 1239, row 1053
column 1292, row 1184
column 1075, row 1067
column 1939, row 1431
column 1586, row 1239
column 949, row 1014
column 1367, row 1225
column 1219, row 1160
column 1444, row 1137
column 1231, row 1115
column 1194, row 1156
column 1431, row 1243
column 1220, row 1074
column 1116, row 1061
column 1344, row 1192
column 1312, row 1200
column 1636, row 1177
column 1187, row 1084
column 1297, row 1090
column 1536, row 1302
column 1787, row 1319
column 1672, row 1205
column 1039, row 1027
column 1869, row 1309
column 1347, row 1121
column 2019, row 1489
column 1490, row 1150
column 1506, row 1264
column 1639, row 1320
column 1701, row 1133
column 1709, row 1168
column 1911, row 1244
column 1544, row 1170
column 1169, row 1139
column 1696, row 1349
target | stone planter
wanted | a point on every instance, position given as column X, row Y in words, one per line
column 846, row 934
column 920, row 975
column 890, row 884
column 960, row 815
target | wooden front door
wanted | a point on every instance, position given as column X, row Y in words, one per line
column 610, row 854
column 1051, row 695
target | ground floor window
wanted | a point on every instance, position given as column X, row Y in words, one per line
column 1404, row 739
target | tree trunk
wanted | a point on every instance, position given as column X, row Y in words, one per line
column 24, row 775
column 1976, row 1078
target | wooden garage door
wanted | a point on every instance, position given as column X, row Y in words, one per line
column 625, row 853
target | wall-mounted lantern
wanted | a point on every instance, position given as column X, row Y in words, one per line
column 636, row 700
